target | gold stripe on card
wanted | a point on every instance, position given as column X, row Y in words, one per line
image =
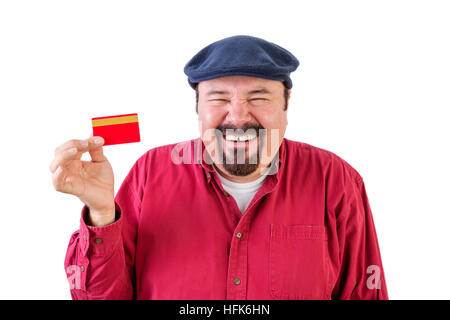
column 114, row 120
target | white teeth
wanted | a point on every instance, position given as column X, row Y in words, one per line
column 230, row 137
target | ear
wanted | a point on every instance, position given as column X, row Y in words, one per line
column 288, row 98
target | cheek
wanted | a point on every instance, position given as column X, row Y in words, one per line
column 210, row 117
column 275, row 123
column 281, row 126
column 270, row 119
column 208, row 120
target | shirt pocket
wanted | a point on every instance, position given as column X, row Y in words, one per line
column 297, row 266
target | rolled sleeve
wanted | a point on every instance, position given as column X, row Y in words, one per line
column 100, row 240
column 94, row 255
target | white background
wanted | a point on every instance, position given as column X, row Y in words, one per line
column 372, row 86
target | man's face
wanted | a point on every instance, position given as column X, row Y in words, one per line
column 247, row 109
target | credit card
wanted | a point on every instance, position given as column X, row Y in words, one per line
column 117, row 129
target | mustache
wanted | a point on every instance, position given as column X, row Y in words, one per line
column 248, row 126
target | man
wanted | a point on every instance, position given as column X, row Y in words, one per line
column 239, row 213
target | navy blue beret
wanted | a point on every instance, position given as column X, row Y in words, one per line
column 243, row 56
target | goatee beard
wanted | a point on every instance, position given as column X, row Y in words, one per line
column 251, row 164
column 243, row 169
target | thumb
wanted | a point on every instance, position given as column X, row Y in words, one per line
column 96, row 149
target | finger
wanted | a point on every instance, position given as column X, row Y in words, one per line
column 81, row 144
column 96, row 149
column 73, row 150
column 64, row 156
column 74, row 185
column 66, row 183
column 59, row 180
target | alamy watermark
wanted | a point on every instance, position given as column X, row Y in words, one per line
column 374, row 280
column 73, row 273
column 231, row 146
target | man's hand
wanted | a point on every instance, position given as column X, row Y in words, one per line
column 91, row 181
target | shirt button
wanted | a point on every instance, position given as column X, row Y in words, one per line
column 208, row 175
column 238, row 235
column 82, row 268
column 226, row 194
column 98, row 241
column 85, row 238
column 237, row 281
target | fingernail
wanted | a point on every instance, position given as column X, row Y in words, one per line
column 58, row 170
column 98, row 140
column 72, row 151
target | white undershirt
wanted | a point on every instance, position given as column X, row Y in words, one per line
column 243, row 193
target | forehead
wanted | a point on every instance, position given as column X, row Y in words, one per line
column 239, row 83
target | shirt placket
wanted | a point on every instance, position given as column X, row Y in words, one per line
column 237, row 260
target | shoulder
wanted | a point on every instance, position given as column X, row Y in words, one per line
column 314, row 157
column 167, row 152
column 157, row 165
column 162, row 161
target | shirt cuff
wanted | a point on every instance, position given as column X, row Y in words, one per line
column 100, row 240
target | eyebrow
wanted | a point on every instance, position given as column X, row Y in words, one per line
column 256, row 91
column 259, row 91
column 213, row 92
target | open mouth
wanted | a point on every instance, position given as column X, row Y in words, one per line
column 239, row 140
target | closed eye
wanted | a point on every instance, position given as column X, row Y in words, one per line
column 258, row 101
column 218, row 102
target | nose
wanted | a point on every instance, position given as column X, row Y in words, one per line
column 238, row 112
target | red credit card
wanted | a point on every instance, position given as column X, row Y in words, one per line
column 117, row 129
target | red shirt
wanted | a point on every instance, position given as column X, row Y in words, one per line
column 307, row 234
